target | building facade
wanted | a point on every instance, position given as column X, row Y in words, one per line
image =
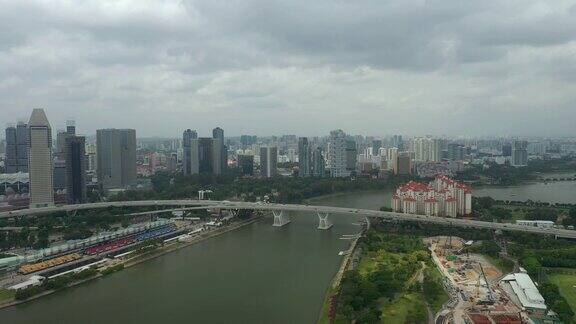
column 16, row 148
column 336, row 157
column 40, row 160
column 318, row 163
column 304, row 157
column 220, row 151
column 519, row 156
column 268, row 161
column 441, row 197
column 75, row 152
column 246, row 164
column 116, row 157
column 190, row 152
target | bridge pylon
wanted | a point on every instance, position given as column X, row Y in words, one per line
column 281, row 218
column 323, row 222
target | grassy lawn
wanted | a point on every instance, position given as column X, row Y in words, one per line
column 566, row 284
column 396, row 311
column 501, row 264
column 6, row 294
column 438, row 301
column 326, row 306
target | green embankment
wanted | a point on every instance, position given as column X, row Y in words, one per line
column 6, row 294
column 504, row 265
column 409, row 307
column 567, row 285
column 434, row 291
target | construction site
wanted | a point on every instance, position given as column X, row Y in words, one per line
column 473, row 284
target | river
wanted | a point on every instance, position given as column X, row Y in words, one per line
column 257, row 274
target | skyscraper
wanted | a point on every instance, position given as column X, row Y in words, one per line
column 116, row 157
column 268, row 161
column 220, row 152
column 205, row 156
column 519, row 154
column 22, row 138
column 304, row 157
column 351, row 155
column 403, row 164
column 75, row 169
column 17, row 148
column 393, row 159
column 246, row 164
column 337, row 154
column 318, row 163
column 40, row 160
column 11, row 160
column 376, row 145
column 190, row 158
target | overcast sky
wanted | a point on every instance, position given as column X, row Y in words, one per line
column 372, row 67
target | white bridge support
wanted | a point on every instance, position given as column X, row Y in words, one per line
column 281, row 218
column 323, row 222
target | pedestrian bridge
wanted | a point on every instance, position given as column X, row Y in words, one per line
column 281, row 214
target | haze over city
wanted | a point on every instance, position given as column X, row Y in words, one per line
column 265, row 161
column 298, row 67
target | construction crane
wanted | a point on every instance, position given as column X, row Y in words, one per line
column 490, row 296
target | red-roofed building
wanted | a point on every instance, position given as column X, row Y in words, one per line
column 441, row 197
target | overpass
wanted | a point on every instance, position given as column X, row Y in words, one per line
column 281, row 214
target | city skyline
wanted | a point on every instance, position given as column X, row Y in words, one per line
column 479, row 68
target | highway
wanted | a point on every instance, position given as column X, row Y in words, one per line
column 201, row 204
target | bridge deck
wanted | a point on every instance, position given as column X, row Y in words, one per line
column 201, row 204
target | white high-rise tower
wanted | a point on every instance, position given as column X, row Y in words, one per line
column 40, row 160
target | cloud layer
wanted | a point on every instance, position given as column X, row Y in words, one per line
column 444, row 67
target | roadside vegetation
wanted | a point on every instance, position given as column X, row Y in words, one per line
column 506, row 175
column 54, row 284
column 385, row 287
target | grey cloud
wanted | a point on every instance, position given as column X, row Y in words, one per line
column 365, row 66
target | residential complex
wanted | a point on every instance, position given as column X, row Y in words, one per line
column 441, row 197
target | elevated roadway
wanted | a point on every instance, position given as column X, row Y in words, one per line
column 280, row 209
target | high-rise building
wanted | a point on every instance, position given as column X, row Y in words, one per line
column 40, row 160
column 190, row 157
column 351, row 155
column 16, row 148
column 404, row 164
column 337, row 154
column 11, row 160
column 376, row 146
column 304, row 157
column 507, row 149
column 246, row 164
column 318, row 163
column 58, row 174
column 116, row 157
column 268, row 161
column 205, row 155
column 75, row 169
column 247, row 140
column 172, row 162
column 393, row 159
column 455, row 152
column 519, row 154
column 398, row 142
column 22, row 139
column 220, row 152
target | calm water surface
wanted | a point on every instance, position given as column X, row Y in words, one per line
column 258, row 274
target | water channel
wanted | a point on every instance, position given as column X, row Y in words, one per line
column 258, row 274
